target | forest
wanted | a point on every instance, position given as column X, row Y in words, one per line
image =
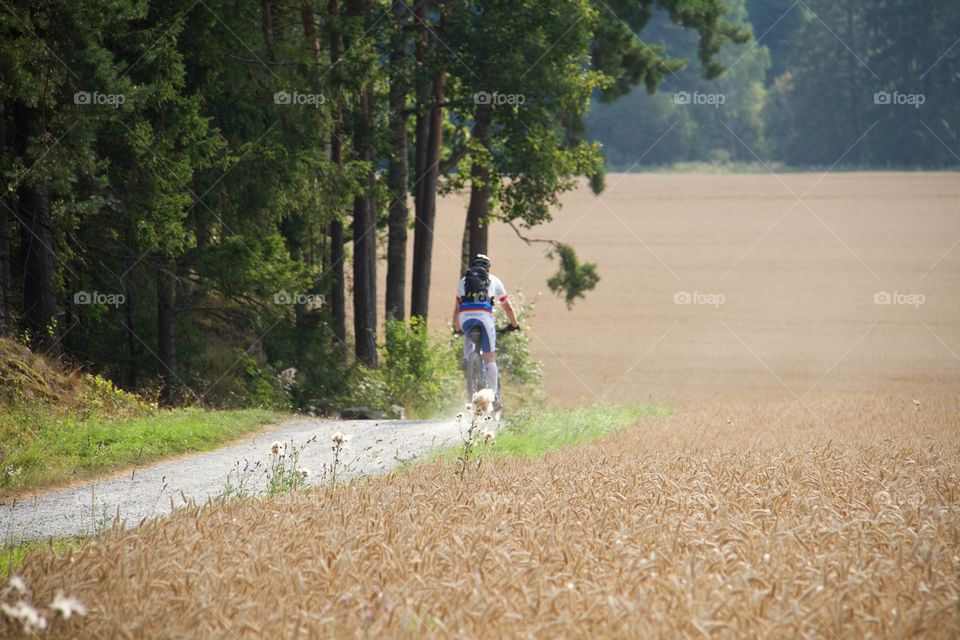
column 198, row 195
column 816, row 78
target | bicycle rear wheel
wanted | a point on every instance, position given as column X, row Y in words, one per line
column 475, row 378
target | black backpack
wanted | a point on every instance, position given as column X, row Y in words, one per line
column 476, row 284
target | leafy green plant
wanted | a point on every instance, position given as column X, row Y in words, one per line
column 263, row 386
column 520, row 374
column 417, row 372
column 285, row 474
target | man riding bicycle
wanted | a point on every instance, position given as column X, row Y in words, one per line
column 476, row 295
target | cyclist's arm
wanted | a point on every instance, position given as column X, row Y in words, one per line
column 508, row 309
column 456, row 315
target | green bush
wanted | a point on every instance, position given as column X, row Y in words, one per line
column 416, row 372
column 262, row 387
column 520, row 375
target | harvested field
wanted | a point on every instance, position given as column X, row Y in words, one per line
column 831, row 518
column 797, row 257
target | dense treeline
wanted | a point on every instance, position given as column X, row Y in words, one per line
column 856, row 83
column 195, row 195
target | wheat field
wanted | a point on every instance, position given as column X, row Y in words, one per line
column 797, row 257
column 833, row 517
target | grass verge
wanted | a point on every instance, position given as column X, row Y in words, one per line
column 12, row 557
column 531, row 434
column 43, row 448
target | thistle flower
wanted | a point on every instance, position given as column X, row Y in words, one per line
column 303, row 472
column 488, row 436
column 67, row 606
column 276, row 448
column 483, row 400
column 27, row 616
column 17, row 584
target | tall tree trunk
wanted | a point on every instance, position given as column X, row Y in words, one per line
column 365, row 268
column 36, row 243
column 6, row 285
column 267, row 11
column 133, row 351
column 479, row 207
column 423, row 228
column 309, row 21
column 166, row 335
column 6, row 304
column 465, row 246
column 364, row 223
column 337, row 301
column 422, row 98
column 397, row 174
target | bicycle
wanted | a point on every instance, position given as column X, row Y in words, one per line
column 474, row 371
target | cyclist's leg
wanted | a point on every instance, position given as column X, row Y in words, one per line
column 490, row 357
column 493, row 373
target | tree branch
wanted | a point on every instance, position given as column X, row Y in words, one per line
column 530, row 241
column 455, row 157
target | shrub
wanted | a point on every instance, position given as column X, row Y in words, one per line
column 417, row 372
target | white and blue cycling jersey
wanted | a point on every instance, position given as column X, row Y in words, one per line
column 474, row 313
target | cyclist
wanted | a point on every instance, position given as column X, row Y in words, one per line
column 476, row 295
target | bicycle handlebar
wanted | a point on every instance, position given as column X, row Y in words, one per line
column 500, row 330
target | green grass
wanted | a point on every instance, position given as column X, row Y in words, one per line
column 531, row 434
column 45, row 448
column 12, row 557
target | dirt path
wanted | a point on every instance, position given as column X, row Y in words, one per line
column 373, row 446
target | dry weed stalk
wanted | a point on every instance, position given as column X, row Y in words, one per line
column 736, row 521
column 479, row 431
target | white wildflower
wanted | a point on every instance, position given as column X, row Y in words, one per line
column 338, row 440
column 488, row 436
column 276, row 448
column 483, row 400
column 67, row 606
column 18, row 585
column 303, row 472
column 287, row 378
column 31, row 620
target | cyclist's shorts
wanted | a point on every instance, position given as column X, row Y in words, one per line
column 488, row 331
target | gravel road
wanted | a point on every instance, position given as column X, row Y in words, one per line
column 372, row 447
